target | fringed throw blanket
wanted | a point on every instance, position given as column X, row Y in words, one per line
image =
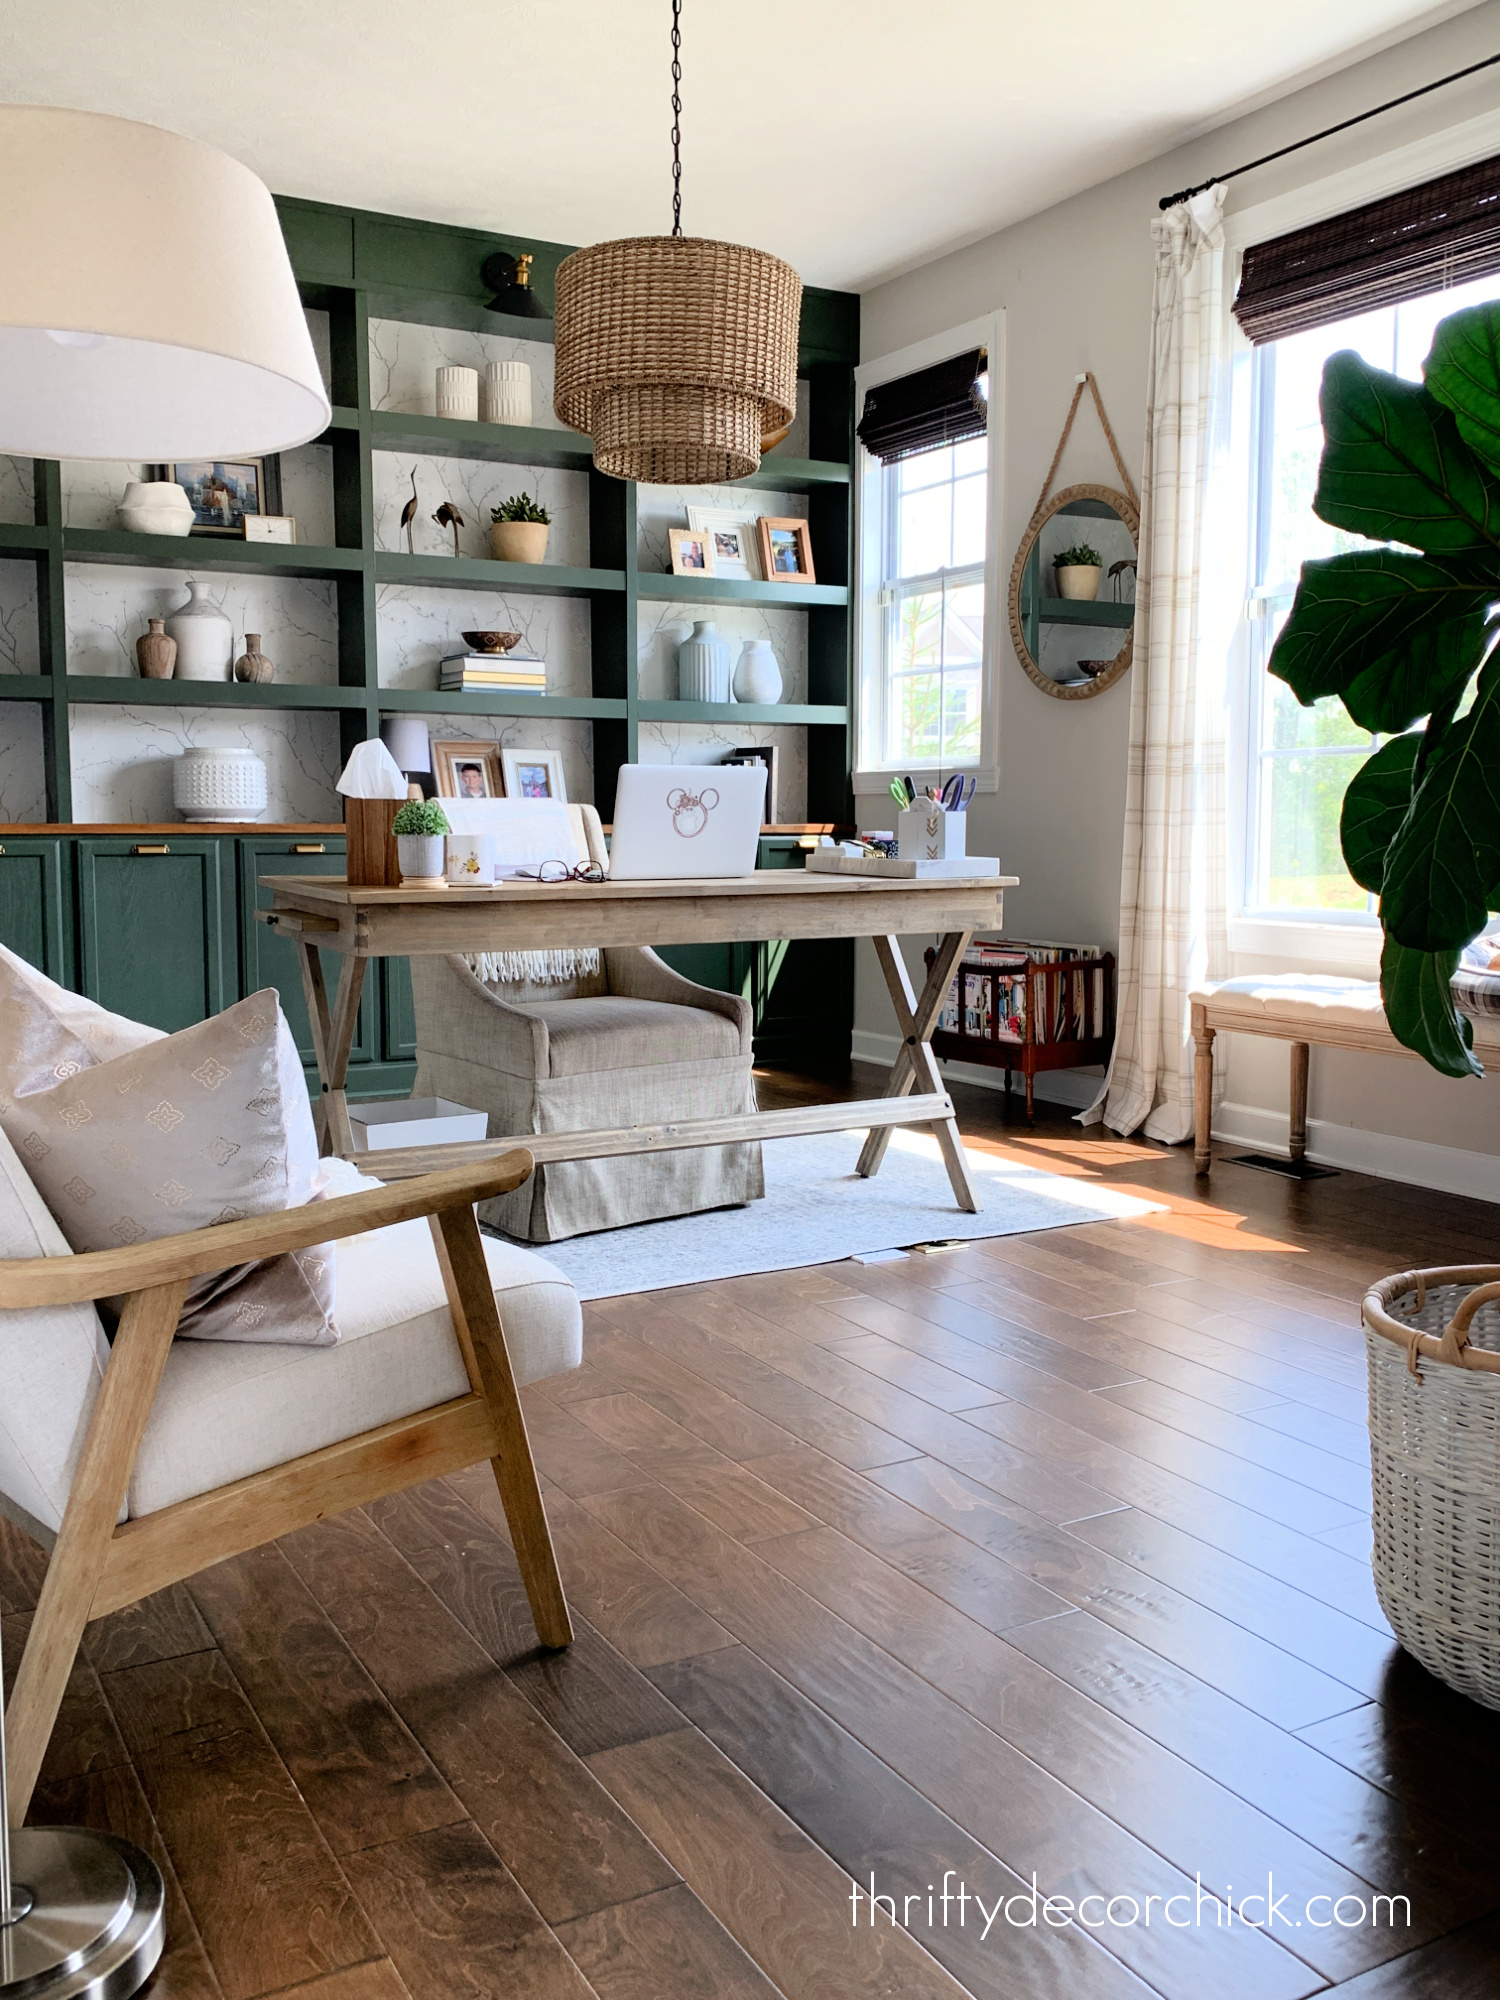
column 531, row 968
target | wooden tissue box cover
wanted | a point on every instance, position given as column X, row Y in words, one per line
column 370, row 846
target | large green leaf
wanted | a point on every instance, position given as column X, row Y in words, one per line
column 1418, row 997
column 1352, row 611
column 1376, row 803
column 1445, row 859
column 1463, row 372
column 1394, row 467
column 1424, row 676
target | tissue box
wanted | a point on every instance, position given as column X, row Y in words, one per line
column 927, row 833
column 369, row 845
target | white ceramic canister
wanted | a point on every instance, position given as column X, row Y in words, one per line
column 469, row 860
column 155, row 507
column 205, row 638
column 457, row 393
column 703, row 665
column 505, row 395
column 757, row 678
column 219, row 785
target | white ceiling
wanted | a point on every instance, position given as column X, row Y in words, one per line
column 853, row 137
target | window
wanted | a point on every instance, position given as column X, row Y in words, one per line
column 931, row 605
column 1302, row 759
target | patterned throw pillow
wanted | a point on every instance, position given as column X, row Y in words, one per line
column 204, row 1126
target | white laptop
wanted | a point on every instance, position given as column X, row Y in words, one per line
column 686, row 820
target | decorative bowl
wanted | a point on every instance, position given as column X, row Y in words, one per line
column 490, row 642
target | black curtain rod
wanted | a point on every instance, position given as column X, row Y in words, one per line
column 1186, row 194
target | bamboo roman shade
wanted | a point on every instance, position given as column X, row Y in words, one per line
column 1424, row 239
column 938, row 405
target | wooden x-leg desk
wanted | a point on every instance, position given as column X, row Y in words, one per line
column 361, row 924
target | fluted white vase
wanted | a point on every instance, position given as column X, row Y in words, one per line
column 703, row 664
column 456, row 393
column 205, row 638
column 757, row 678
column 505, row 393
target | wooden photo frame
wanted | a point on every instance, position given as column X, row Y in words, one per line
column 456, row 760
column 692, row 551
column 736, row 545
column 785, row 550
column 534, row 774
column 224, row 490
column 769, row 756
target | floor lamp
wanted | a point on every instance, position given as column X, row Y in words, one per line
column 149, row 313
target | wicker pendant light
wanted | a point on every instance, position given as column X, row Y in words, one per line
column 675, row 353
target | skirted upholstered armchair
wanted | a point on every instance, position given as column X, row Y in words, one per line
column 588, row 1040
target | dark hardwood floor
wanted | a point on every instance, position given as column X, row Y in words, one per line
column 1042, row 1557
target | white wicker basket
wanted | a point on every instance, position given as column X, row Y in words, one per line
column 1434, row 1354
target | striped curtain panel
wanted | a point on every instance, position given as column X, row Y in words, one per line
column 1173, row 882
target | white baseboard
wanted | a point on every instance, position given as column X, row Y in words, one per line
column 1447, row 1169
column 1075, row 1088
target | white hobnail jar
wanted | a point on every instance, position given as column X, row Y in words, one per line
column 205, row 638
column 456, row 393
column 155, row 507
column 505, row 393
column 221, row 785
column 757, row 678
column 703, row 664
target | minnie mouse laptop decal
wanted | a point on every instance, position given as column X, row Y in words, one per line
column 686, row 820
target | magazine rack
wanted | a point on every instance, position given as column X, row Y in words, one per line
column 1029, row 1008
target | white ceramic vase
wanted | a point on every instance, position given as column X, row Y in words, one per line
column 505, row 393
column 155, row 507
column 703, row 664
column 205, row 638
column 456, row 393
column 757, row 678
column 219, row 785
column 421, row 858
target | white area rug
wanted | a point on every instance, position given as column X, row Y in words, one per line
column 817, row 1210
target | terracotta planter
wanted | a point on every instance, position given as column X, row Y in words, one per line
column 519, row 541
column 1080, row 581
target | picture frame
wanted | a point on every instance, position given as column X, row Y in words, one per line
column 224, row 490
column 736, row 545
column 785, row 550
column 692, row 552
column 455, row 760
column 534, row 774
column 768, row 754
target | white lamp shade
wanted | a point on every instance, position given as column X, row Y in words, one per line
column 405, row 736
column 160, row 262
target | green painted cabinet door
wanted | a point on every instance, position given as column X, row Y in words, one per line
column 36, row 903
column 269, row 960
column 400, row 1014
column 156, row 927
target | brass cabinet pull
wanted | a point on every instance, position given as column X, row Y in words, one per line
column 2, row 850
column 155, row 847
column 308, row 847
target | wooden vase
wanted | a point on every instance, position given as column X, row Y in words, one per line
column 252, row 665
column 155, row 653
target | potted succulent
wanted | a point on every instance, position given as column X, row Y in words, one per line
column 1078, row 572
column 420, row 827
column 518, row 531
column 1402, row 635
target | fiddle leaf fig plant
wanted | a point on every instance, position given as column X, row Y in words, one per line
column 1403, row 634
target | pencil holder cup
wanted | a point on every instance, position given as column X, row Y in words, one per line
column 927, row 833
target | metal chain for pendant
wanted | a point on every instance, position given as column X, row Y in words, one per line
column 676, row 117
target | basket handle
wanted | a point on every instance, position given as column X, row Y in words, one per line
column 1455, row 1341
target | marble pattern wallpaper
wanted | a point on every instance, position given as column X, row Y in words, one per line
column 23, row 792
column 474, row 486
column 417, row 626
column 108, row 605
column 123, row 758
column 404, row 360
column 17, row 507
column 20, row 642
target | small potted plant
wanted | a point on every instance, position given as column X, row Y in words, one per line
column 1078, row 572
column 419, row 828
column 518, row 531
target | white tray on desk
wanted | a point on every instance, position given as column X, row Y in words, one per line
column 962, row 868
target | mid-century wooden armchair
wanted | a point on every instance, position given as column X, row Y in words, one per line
column 100, row 1563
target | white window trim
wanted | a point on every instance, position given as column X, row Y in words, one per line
column 872, row 777
column 1316, row 941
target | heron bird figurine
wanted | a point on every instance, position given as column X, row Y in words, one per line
column 448, row 516
column 409, row 513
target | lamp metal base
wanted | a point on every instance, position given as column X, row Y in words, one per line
column 91, row 1927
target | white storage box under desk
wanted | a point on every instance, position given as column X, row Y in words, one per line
column 415, row 1121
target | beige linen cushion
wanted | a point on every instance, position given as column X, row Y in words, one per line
column 204, row 1126
column 1298, row 996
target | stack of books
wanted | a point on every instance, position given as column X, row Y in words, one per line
column 514, row 673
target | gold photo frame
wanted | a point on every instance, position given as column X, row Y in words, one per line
column 457, row 760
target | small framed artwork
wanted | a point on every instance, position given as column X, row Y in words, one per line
column 785, row 550
column 465, row 769
column 732, row 539
column 768, row 755
column 534, row 774
column 225, row 490
column 692, row 552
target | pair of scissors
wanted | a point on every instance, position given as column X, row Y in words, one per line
column 904, row 792
column 957, row 793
